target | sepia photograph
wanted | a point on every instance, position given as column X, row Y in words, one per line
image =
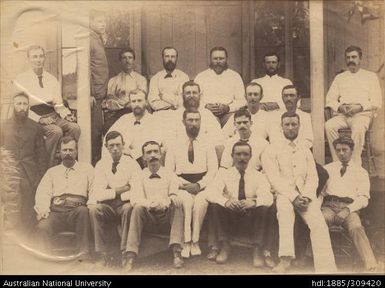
column 192, row 137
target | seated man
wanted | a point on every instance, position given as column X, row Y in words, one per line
column 241, row 195
column 119, row 88
column 354, row 96
column 193, row 159
column 109, row 200
column 61, row 199
column 346, row 193
column 155, row 205
column 291, row 170
column 46, row 103
column 243, row 124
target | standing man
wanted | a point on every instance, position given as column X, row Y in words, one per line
column 119, row 88
column 193, row 159
column 222, row 88
column 272, row 83
column 353, row 96
column 166, row 85
column 99, row 79
column 109, row 200
column 156, row 205
column 61, row 199
column 346, row 194
column 291, row 170
column 46, row 103
column 23, row 138
column 240, row 195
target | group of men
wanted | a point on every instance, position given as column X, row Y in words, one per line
column 184, row 150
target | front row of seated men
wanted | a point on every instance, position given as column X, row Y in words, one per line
column 118, row 193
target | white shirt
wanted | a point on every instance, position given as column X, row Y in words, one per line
column 166, row 91
column 291, row 170
column 361, row 87
column 225, row 88
column 105, row 181
column 60, row 180
column 226, row 187
column 272, row 88
column 354, row 184
column 305, row 133
column 145, row 190
column 50, row 94
column 257, row 144
column 134, row 136
column 205, row 159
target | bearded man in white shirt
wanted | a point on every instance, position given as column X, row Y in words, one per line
column 354, row 97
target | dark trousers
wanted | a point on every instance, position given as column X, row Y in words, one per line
column 144, row 220
column 110, row 117
column 105, row 219
column 225, row 223
column 27, row 200
column 96, row 131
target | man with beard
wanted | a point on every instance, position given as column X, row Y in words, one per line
column 354, row 97
column 156, row 205
column 166, row 85
column 23, row 138
column 119, row 88
column 192, row 157
column 290, row 98
column 61, row 198
column 222, row 88
column 291, row 170
column 138, row 127
column 99, row 74
column 109, row 200
column 259, row 117
column 46, row 103
column 240, row 198
column 272, row 83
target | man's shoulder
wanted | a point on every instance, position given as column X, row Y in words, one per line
column 203, row 73
column 85, row 166
column 232, row 72
column 181, row 73
column 138, row 75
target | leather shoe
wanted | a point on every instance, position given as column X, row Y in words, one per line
column 212, row 256
column 224, row 254
column 269, row 262
column 127, row 263
column 283, row 265
column 178, row 260
column 258, row 260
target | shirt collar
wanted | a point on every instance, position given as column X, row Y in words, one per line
column 131, row 74
column 75, row 167
column 275, row 76
column 160, row 172
column 173, row 73
column 287, row 141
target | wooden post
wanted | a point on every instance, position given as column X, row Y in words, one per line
column 317, row 78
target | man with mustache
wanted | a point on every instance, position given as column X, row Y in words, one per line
column 156, row 205
column 354, row 96
column 61, row 199
column 240, row 197
column 45, row 102
column 291, row 170
column 23, row 138
column 192, row 157
column 119, row 88
column 222, row 88
column 165, row 91
column 272, row 83
column 109, row 200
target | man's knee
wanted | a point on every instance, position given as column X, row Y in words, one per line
column 74, row 130
column 96, row 210
column 53, row 131
column 82, row 211
column 126, row 210
column 44, row 226
column 330, row 125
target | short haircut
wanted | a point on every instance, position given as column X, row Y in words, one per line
column 242, row 112
column 190, row 110
column 21, row 94
column 289, row 115
column 125, row 50
column 352, row 48
column 96, row 13
column 191, row 83
column 344, row 140
column 291, row 86
column 34, row 47
column 68, row 139
column 255, row 84
column 137, row 91
column 218, row 48
column 241, row 144
column 150, row 143
column 271, row 53
column 112, row 135
column 169, row 48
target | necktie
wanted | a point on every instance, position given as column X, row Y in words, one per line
column 40, row 81
column 137, row 122
column 114, row 165
column 191, row 152
column 154, row 176
column 241, row 191
column 168, row 75
column 343, row 169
